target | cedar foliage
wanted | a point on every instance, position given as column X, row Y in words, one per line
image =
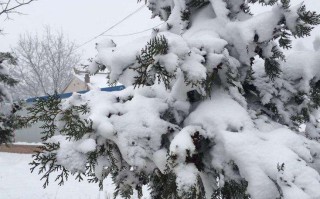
column 164, row 184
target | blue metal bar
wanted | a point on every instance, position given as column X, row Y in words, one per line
column 66, row 95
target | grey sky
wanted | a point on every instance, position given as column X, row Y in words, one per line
column 81, row 20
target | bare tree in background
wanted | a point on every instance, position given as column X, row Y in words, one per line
column 10, row 6
column 44, row 63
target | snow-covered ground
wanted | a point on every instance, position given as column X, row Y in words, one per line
column 16, row 182
column 28, row 143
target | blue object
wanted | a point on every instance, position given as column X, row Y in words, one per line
column 66, row 95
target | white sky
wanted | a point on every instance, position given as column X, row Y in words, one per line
column 81, row 20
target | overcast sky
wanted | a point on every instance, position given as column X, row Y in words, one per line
column 81, row 20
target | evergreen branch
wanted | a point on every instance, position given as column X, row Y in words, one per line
column 146, row 61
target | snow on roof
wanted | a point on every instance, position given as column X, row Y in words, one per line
column 96, row 81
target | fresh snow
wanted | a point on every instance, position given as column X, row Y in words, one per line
column 17, row 182
column 235, row 135
column 257, row 154
column 28, row 143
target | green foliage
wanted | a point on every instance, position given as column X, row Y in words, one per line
column 309, row 17
column 163, row 186
column 315, row 95
column 245, row 8
column 195, row 192
column 202, row 145
column 69, row 123
column 5, row 79
column 285, row 4
column 272, row 68
column 185, row 15
column 109, row 150
column 208, row 83
column 163, row 14
column 7, row 57
column 308, row 102
column 74, row 127
column 148, row 68
column 8, row 120
column 191, row 7
column 46, row 111
column 284, row 40
column 167, row 10
column 6, row 129
column 281, row 32
column 272, row 65
column 125, row 190
column 112, row 153
column 302, row 117
column 123, row 186
column 197, row 3
column 306, row 20
column 49, row 112
column 232, row 190
column 264, row 2
column 277, row 54
column 303, row 30
column 46, row 160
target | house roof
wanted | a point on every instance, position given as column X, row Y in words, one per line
column 96, row 81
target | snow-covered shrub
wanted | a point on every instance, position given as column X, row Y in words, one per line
column 6, row 107
column 212, row 107
column 8, row 121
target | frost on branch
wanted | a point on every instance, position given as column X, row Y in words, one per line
column 212, row 107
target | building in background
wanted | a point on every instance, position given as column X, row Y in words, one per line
column 83, row 81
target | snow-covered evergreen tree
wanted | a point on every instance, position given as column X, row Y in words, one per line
column 6, row 107
column 212, row 107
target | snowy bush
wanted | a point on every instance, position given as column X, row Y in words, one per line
column 8, row 121
column 212, row 107
column 6, row 107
